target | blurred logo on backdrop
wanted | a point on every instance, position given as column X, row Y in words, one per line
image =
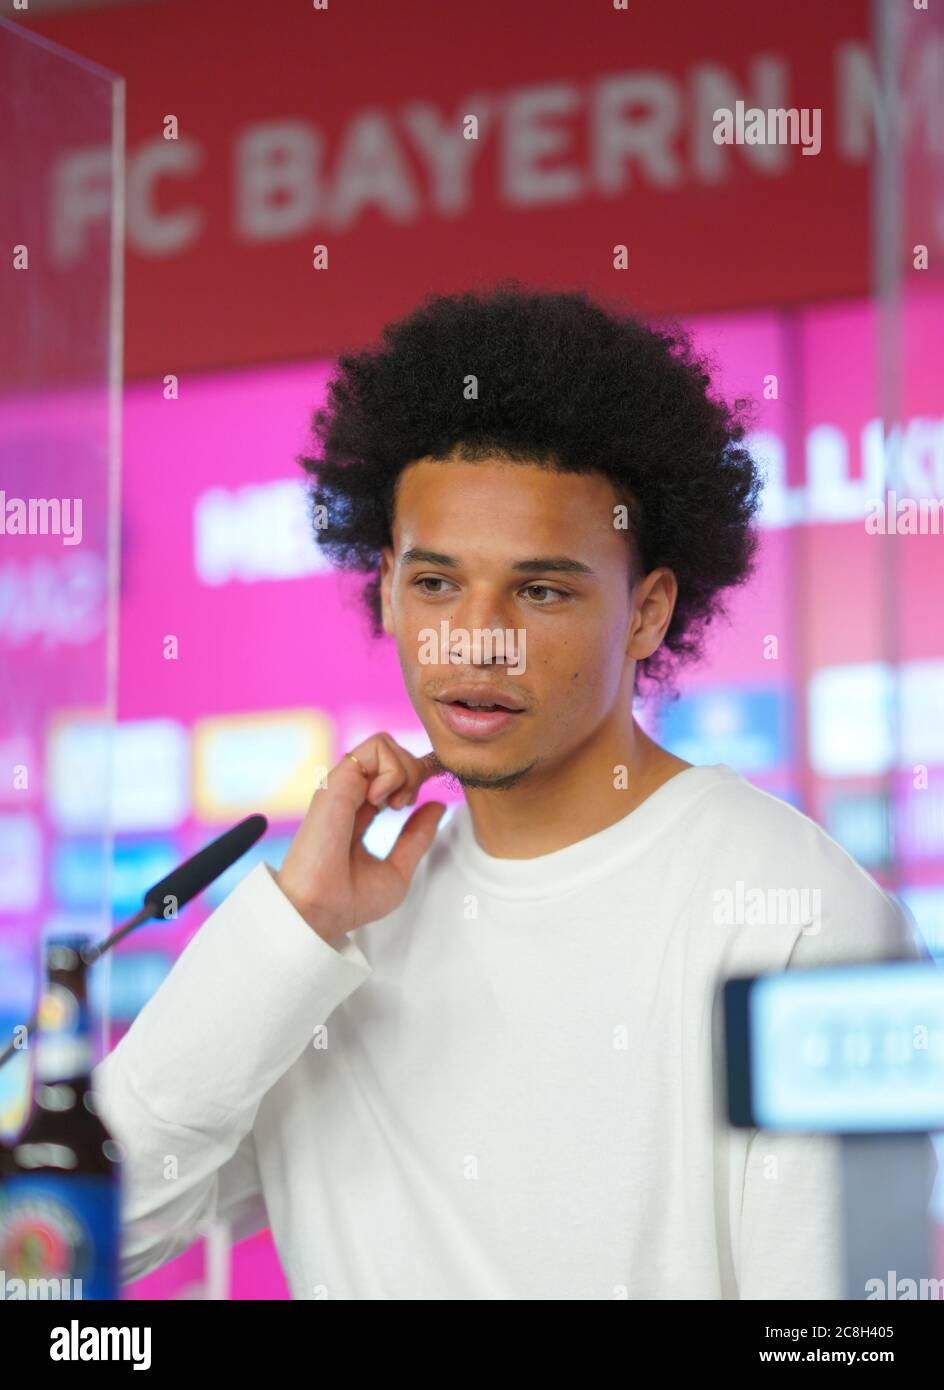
column 863, row 722
column 749, row 729
column 21, row 841
column 148, row 761
column 269, row 761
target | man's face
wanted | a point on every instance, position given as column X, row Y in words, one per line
column 490, row 535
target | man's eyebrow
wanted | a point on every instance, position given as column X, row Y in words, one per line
column 541, row 564
column 560, row 564
column 413, row 556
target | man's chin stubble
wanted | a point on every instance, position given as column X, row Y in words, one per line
column 457, row 778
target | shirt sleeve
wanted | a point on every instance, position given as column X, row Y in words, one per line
column 181, row 1089
column 788, row 1231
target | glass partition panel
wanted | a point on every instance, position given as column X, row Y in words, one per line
column 908, row 531
column 61, row 156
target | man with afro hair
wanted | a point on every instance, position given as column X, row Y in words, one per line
column 486, row 1066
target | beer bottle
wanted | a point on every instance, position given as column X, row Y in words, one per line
column 60, row 1178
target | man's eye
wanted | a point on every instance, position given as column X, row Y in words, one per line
column 542, row 595
column 544, row 589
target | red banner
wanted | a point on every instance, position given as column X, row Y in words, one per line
column 423, row 145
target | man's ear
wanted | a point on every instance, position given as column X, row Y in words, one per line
column 386, row 584
column 655, row 598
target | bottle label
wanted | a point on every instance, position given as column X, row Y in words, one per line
column 59, row 1236
column 64, row 1045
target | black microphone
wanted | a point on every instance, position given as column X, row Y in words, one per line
column 188, row 879
column 180, row 885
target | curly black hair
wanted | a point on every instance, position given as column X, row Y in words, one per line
column 564, row 382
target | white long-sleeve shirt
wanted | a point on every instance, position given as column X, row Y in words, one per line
column 505, row 1089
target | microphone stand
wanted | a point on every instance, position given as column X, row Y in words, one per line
column 89, row 954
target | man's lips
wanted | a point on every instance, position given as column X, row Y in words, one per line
column 472, row 693
column 475, row 723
